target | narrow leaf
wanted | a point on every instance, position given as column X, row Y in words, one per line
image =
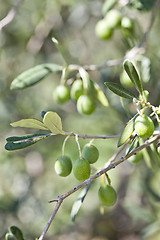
column 78, row 203
column 134, row 143
column 119, row 90
column 29, row 123
column 20, row 142
column 133, row 74
column 100, row 96
column 34, row 75
column 127, row 132
column 53, row 122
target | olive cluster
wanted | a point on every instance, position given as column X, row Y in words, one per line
column 112, row 20
column 81, row 171
column 81, row 167
column 85, row 102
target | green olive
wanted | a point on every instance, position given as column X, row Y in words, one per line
column 107, row 195
column 127, row 23
column 90, row 153
column 102, row 30
column 63, row 166
column 144, row 126
column 85, row 105
column 76, row 89
column 61, row 94
column 81, row 169
column 113, row 18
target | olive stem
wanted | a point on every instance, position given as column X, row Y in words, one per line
column 63, row 146
column 79, row 148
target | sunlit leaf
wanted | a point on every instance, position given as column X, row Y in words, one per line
column 100, row 96
column 127, row 132
column 53, row 122
column 78, row 203
column 119, row 90
column 20, row 142
column 34, row 75
column 29, row 123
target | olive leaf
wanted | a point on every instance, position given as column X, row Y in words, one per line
column 133, row 74
column 119, row 90
column 78, row 203
column 134, row 143
column 34, row 75
column 16, row 232
column 53, row 122
column 29, row 123
column 100, row 96
column 127, row 132
column 20, row 142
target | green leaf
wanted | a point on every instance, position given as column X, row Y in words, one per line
column 119, row 90
column 16, row 232
column 20, row 142
column 108, row 5
column 29, row 123
column 34, row 75
column 100, row 96
column 127, row 132
column 134, row 143
column 133, row 74
column 53, row 122
column 78, row 203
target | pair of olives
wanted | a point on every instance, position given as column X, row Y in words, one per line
column 113, row 19
column 85, row 103
column 81, row 167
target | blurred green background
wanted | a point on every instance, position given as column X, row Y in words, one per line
column 27, row 177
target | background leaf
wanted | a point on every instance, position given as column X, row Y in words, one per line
column 53, row 122
column 127, row 132
column 20, row 142
column 78, row 203
column 34, row 75
column 119, row 90
column 29, row 123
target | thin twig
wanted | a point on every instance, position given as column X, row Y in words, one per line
column 51, row 218
column 11, row 14
column 85, row 136
column 60, row 199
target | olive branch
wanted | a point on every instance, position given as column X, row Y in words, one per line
column 110, row 165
